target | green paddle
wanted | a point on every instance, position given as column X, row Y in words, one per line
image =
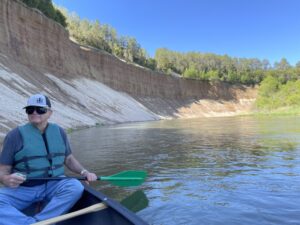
column 122, row 179
column 136, row 201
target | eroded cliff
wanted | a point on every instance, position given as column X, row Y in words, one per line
column 88, row 86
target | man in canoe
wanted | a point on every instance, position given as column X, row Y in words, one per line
column 38, row 149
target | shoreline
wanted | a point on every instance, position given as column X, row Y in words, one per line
column 276, row 113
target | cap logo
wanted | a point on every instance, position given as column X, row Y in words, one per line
column 39, row 100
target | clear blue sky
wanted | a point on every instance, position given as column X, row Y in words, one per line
column 264, row 29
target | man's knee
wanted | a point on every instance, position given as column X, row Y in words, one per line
column 74, row 187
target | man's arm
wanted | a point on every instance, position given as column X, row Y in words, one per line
column 12, row 143
column 72, row 163
column 8, row 179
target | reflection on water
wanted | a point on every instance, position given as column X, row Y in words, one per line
column 203, row 171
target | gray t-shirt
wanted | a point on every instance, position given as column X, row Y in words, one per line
column 13, row 143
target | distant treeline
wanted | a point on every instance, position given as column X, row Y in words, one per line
column 280, row 85
column 212, row 67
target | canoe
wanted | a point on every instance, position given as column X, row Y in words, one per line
column 114, row 214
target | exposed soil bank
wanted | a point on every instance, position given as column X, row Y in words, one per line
column 89, row 87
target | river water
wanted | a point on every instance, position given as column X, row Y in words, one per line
column 234, row 170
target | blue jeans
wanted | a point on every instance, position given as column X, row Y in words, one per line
column 60, row 195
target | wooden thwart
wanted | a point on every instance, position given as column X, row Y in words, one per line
column 93, row 208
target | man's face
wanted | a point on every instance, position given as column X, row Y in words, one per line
column 36, row 117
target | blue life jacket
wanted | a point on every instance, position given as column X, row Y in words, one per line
column 35, row 159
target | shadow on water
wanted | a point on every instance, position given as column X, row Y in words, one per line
column 238, row 170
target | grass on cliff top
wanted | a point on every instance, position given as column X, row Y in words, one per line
column 283, row 111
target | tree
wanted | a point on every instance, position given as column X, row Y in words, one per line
column 282, row 65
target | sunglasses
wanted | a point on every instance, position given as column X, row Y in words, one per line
column 39, row 110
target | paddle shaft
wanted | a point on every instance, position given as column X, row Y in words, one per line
column 93, row 208
column 84, row 178
column 55, row 178
column 123, row 179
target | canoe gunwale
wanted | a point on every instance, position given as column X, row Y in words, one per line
column 116, row 206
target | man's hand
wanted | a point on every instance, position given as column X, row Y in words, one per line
column 13, row 180
column 90, row 176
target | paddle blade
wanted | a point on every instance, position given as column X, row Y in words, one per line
column 126, row 178
column 136, row 201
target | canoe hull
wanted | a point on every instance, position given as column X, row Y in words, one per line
column 114, row 214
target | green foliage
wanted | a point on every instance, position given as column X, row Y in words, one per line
column 46, row 7
column 289, row 94
column 164, row 59
column 267, row 93
column 274, row 94
column 191, row 72
column 213, row 75
column 70, row 130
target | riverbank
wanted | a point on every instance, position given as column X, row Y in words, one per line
column 88, row 87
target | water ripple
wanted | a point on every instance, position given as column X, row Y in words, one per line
column 235, row 171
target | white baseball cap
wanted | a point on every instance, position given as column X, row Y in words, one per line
column 38, row 100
